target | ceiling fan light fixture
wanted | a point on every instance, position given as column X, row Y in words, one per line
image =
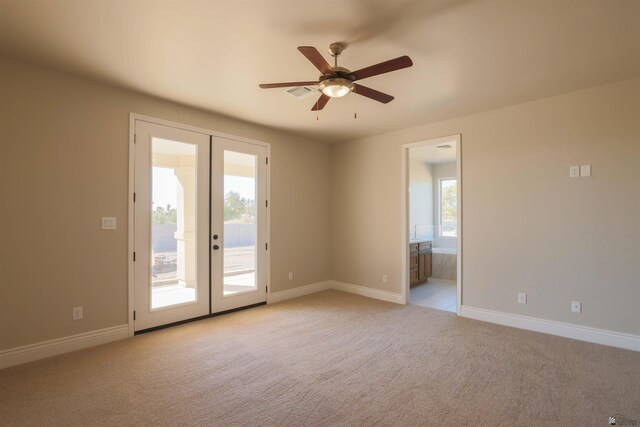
column 336, row 87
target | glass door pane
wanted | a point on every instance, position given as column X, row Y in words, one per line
column 240, row 226
column 173, row 223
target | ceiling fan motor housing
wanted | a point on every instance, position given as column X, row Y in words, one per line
column 341, row 72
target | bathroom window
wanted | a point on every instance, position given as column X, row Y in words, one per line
column 448, row 207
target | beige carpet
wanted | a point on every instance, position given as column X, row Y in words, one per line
column 328, row 359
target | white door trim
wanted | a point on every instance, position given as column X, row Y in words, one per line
column 130, row 228
column 130, row 207
column 404, row 269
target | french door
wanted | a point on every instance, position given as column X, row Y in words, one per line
column 200, row 238
column 239, row 206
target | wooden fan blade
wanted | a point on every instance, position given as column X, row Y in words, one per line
column 381, row 68
column 321, row 102
column 316, row 59
column 372, row 93
column 290, row 84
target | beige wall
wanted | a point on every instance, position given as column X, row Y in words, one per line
column 528, row 227
column 64, row 165
column 335, row 210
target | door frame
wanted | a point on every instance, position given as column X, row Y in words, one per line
column 130, row 205
column 404, row 270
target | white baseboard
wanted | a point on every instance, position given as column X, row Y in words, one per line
column 31, row 352
column 297, row 292
column 41, row 350
column 567, row 330
column 339, row 286
column 367, row 292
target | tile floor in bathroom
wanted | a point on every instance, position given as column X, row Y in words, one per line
column 436, row 293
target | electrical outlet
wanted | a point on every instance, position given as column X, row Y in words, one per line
column 291, row 275
column 77, row 313
column 384, row 278
column 574, row 171
column 576, row 306
column 522, row 298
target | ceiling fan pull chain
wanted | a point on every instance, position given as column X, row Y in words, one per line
column 355, row 104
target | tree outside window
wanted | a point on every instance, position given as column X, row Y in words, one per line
column 239, row 209
column 162, row 215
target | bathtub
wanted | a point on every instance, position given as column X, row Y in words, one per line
column 442, row 250
column 444, row 263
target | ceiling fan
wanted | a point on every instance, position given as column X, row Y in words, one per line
column 335, row 81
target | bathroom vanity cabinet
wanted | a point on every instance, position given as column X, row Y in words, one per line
column 419, row 262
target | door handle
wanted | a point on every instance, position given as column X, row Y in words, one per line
column 216, row 247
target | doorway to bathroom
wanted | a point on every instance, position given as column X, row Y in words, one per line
column 432, row 226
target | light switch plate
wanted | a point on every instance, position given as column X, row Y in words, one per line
column 585, row 170
column 574, row 171
column 108, row 222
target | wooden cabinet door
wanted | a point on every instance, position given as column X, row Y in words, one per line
column 422, row 265
column 419, row 262
column 413, row 261
column 413, row 276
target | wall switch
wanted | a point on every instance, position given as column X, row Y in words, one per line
column 384, row 278
column 291, row 275
column 108, row 222
column 522, row 298
column 585, row 170
column 574, row 171
column 576, row 306
column 77, row 313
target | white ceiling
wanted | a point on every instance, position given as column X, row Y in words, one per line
column 434, row 153
column 468, row 55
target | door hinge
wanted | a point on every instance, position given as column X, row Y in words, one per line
column 134, row 315
column 266, row 289
column 267, row 160
column 266, row 246
column 134, row 257
column 135, row 138
column 266, row 204
column 134, row 197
